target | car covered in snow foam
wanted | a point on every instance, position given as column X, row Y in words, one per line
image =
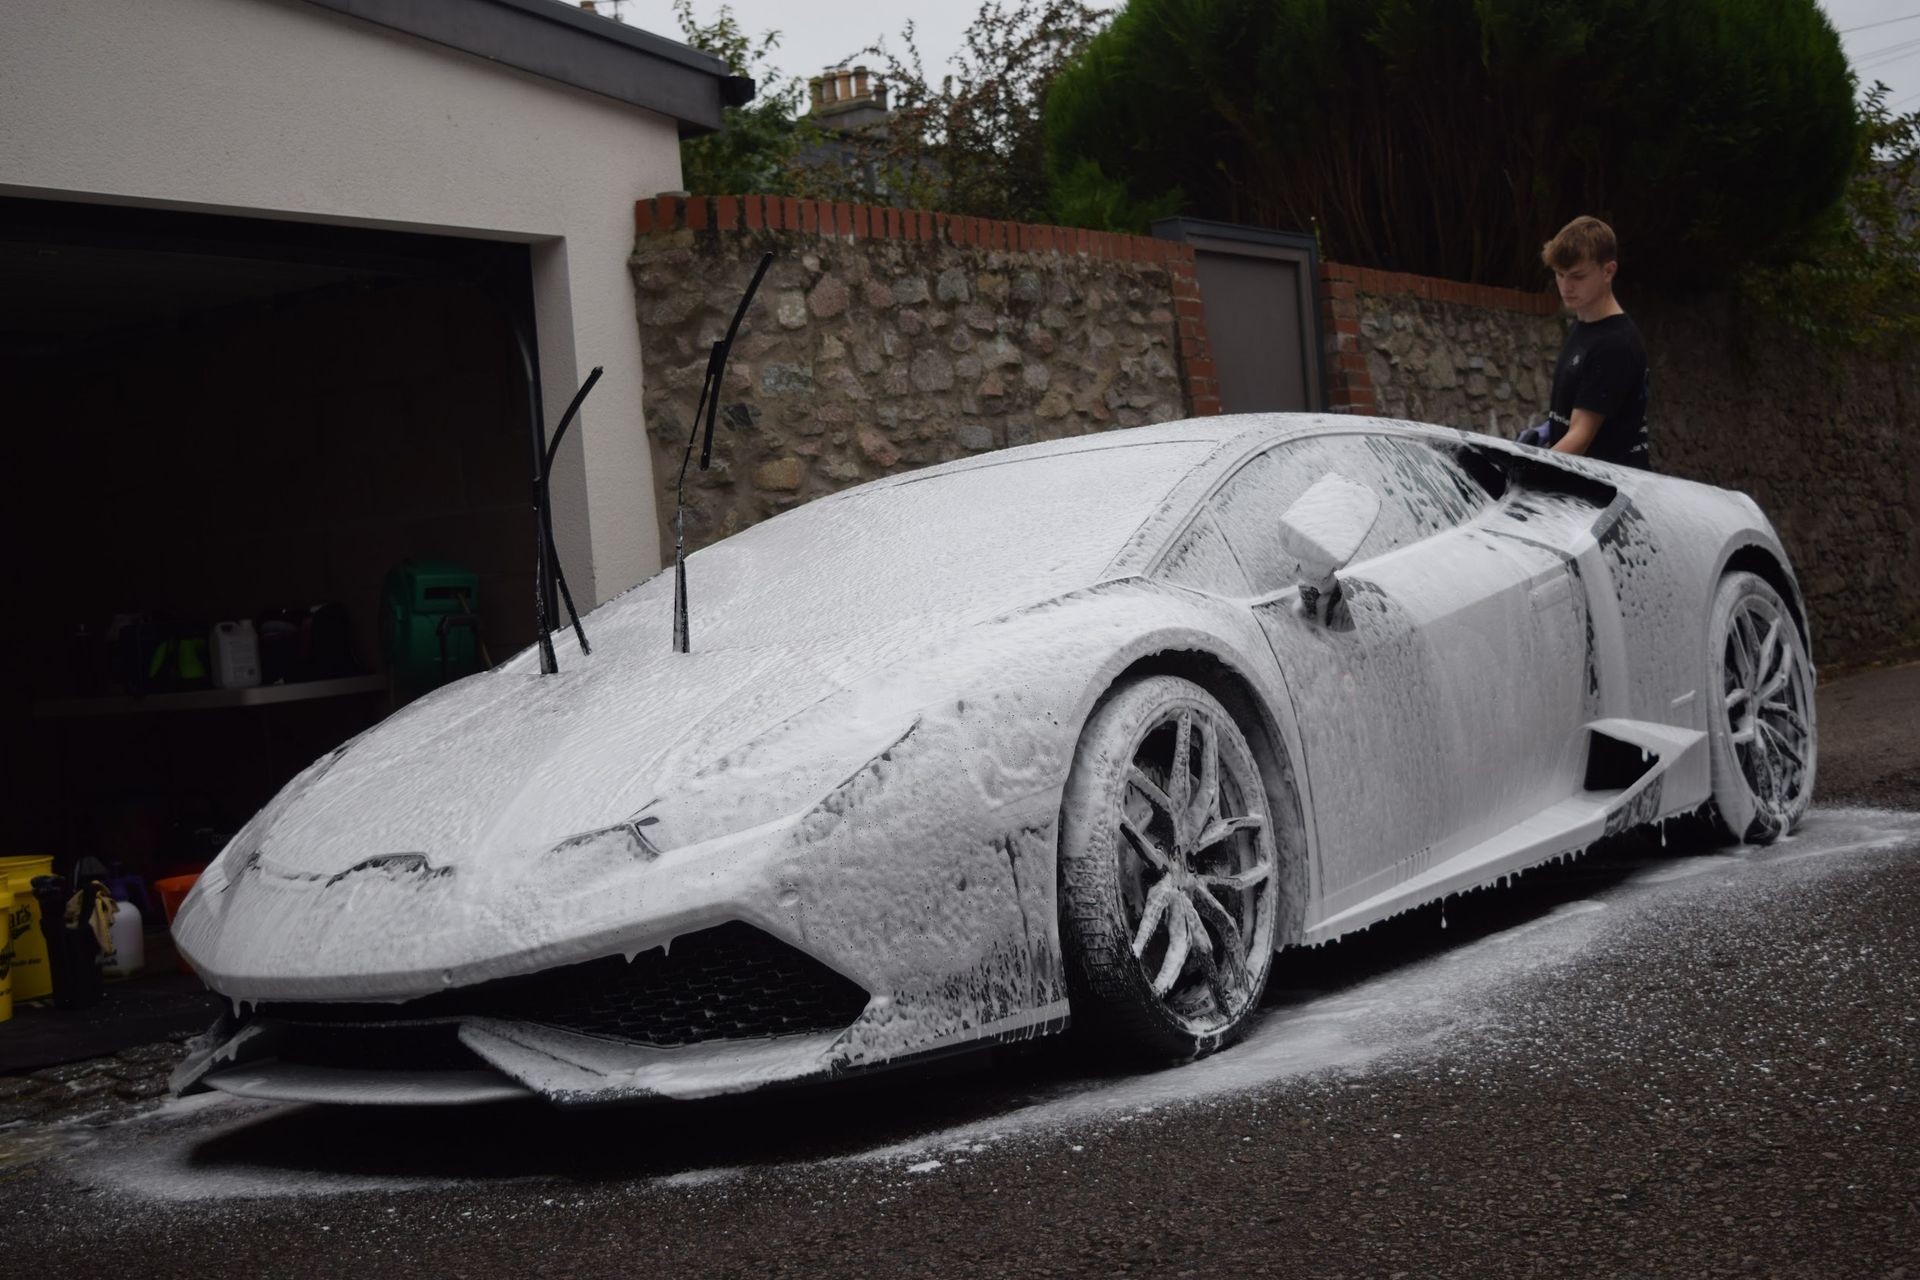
column 1080, row 732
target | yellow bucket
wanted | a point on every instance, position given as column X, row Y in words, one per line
column 30, row 976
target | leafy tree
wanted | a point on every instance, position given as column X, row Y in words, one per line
column 972, row 143
column 1856, row 280
column 1084, row 196
column 755, row 148
column 1451, row 137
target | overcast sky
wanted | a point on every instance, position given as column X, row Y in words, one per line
column 1888, row 48
column 815, row 34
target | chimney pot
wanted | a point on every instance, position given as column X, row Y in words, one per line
column 860, row 82
column 846, row 83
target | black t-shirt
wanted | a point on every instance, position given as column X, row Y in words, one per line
column 1603, row 368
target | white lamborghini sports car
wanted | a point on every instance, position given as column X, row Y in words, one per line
column 1081, row 732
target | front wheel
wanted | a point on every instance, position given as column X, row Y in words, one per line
column 1762, row 717
column 1169, row 873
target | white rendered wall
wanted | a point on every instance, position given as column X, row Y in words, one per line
column 277, row 108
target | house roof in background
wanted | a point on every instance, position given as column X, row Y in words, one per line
column 563, row 42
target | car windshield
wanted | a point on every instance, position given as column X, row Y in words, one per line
column 975, row 541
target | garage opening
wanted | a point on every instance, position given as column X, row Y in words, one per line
column 226, row 426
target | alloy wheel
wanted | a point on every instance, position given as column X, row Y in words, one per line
column 1765, row 696
column 1196, row 879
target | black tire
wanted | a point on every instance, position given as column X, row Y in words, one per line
column 1761, row 714
column 1214, row 874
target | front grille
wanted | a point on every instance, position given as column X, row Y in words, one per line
column 729, row 983
column 733, row 982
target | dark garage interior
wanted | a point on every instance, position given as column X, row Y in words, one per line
column 221, row 425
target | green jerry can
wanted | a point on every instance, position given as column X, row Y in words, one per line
column 430, row 624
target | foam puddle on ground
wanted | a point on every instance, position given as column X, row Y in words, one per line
column 1415, row 1009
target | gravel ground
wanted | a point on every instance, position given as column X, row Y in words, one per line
column 1643, row 1064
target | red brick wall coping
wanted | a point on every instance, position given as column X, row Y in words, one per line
column 1400, row 284
column 873, row 222
column 1349, row 386
column 861, row 221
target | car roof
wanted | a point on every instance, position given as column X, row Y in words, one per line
column 1214, row 431
column 1234, row 438
column 1237, row 437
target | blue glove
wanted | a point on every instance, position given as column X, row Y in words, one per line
column 1539, row 434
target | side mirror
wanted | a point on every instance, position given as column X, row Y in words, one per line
column 1323, row 531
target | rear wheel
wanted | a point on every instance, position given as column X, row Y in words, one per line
column 1169, row 873
column 1762, row 720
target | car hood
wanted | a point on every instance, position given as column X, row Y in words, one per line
column 792, row 611
column 513, row 760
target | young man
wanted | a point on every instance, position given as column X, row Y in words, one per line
column 1599, row 403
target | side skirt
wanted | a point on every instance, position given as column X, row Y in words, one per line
column 1637, row 772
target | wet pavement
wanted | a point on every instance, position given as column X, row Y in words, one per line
column 1648, row 1062
column 77, row 1090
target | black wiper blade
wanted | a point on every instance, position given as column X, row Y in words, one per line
column 546, row 504
column 708, row 406
column 709, row 403
column 542, row 527
column 547, row 573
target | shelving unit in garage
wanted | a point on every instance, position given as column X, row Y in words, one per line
column 233, row 419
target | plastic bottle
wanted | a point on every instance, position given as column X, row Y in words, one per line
column 236, row 655
column 129, row 952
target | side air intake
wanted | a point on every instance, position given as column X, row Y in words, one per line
column 1613, row 765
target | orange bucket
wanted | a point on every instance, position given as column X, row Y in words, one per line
column 173, row 891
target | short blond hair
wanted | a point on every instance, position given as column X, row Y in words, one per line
column 1585, row 238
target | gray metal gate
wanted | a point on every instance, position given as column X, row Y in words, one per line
column 1258, row 289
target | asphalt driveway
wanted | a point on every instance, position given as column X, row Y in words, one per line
column 1649, row 1062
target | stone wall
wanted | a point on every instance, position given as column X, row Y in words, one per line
column 1823, row 442
column 884, row 340
column 1438, row 351
column 1820, row 439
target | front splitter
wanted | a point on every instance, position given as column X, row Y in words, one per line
column 509, row 1059
column 275, row 1081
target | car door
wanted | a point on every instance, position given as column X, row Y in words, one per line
column 1436, row 699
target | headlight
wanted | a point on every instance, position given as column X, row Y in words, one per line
column 218, row 874
column 622, row 839
column 771, row 779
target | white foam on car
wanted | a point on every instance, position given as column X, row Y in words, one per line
column 431, row 852
column 904, row 667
